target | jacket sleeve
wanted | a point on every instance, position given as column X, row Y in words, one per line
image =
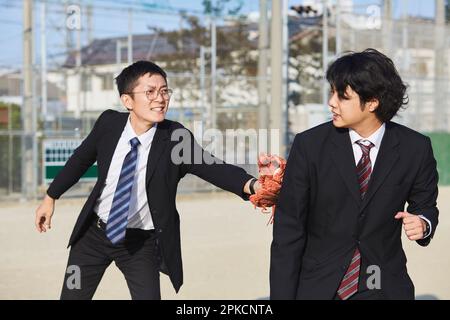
column 289, row 230
column 83, row 157
column 206, row 166
column 423, row 195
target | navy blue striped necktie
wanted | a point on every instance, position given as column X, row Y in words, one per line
column 118, row 215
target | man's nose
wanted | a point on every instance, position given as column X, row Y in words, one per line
column 159, row 97
column 332, row 100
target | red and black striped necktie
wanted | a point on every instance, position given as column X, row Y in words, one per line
column 349, row 284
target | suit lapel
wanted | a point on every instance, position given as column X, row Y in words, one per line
column 386, row 158
column 344, row 159
column 159, row 144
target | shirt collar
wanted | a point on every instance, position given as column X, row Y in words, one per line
column 145, row 139
column 375, row 137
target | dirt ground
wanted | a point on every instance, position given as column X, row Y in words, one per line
column 225, row 246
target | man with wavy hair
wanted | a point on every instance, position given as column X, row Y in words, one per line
column 337, row 228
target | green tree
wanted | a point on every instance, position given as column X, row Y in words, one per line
column 234, row 48
column 236, row 52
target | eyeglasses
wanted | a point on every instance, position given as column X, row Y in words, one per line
column 152, row 94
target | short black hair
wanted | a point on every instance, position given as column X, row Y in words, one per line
column 372, row 75
column 127, row 80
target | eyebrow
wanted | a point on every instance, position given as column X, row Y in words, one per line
column 154, row 87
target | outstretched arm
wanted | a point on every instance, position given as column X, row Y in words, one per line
column 206, row 166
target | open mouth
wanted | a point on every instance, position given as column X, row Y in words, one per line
column 158, row 109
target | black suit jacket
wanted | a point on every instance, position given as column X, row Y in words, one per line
column 321, row 219
column 162, row 177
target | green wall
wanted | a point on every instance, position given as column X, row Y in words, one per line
column 441, row 149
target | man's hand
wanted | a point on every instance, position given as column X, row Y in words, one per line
column 414, row 226
column 271, row 170
column 44, row 214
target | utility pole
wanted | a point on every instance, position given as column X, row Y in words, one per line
column 130, row 36
column 405, row 40
column 387, row 26
column 263, row 44
column 202, row 78
column 325, row 53
column 69, row 50
column 180, row 26
column 78, row 69
column 43, row 62
column 27, row 105
column 43, row 83
column 89, row 23
column 213, row 70
column 10, row 151
column 284, row 129
column 338, row 28
column 87, row 71
column 180, row 48
column 440, row 66
column 276, row 68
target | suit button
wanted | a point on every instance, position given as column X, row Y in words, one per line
column 159, row 230
column 362, row 215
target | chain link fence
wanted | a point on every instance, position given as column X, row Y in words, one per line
column 419, row 48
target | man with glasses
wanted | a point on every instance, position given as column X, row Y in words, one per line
column 130, row 216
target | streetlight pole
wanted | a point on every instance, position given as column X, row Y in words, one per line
column 262, row 64
column 276, row 86
column 28, row 114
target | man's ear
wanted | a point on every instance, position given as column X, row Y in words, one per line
column 127, row 101
column 373, row 105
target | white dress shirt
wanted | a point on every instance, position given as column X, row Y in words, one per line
column 375, row 138
column 139, row 212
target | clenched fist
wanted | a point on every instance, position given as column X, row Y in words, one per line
column 414, row 225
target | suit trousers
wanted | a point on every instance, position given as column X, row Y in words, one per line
column 138, row 258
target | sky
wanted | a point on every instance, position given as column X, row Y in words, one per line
column 110, row 19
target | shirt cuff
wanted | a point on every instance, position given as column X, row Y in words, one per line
column 429, row 224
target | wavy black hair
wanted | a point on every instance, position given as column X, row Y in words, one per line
column 127, row 80
column 372, row 75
